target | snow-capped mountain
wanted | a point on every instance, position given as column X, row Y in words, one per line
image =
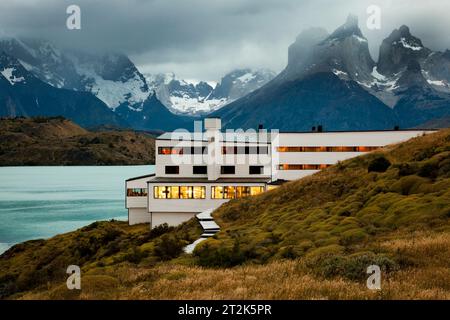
column 23, row 94
column 113, row 78
column 332, row 80
column 188, row 97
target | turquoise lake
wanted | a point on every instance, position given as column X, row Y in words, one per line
column 40, row 202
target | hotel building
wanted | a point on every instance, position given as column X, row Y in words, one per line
column 200, row 170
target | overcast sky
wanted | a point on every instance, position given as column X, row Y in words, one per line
column 204, row 39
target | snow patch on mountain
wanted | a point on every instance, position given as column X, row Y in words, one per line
column 8, row 74
column 191, row 96
column 410, row 46
column 113, row 93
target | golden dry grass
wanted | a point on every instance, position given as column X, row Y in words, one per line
column 429, row 278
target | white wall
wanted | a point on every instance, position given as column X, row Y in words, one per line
column 172, row 219
column 189, row 205
column 186, row 162
column 138, row 215
column 136, row 202
column 328, row 139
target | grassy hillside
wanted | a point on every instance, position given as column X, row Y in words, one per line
column 57, row 141
column 309, row 239
column 342, row 214
column 97, row 248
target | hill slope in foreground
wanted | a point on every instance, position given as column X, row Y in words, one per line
column 309, row 239
column 57, row 141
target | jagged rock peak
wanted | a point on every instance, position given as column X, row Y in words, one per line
column 349, row 28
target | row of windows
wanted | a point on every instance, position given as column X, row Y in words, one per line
column 245, row 150
column 217, row 192
column 203, row 150
column 326, row 149
column 232, row 192
column 184, row 192
column 204, row 169
column 182, row 150
column 137, row 192
column 302, row 166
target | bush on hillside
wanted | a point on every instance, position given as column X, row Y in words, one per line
column 379, row 164
column 168, row 247
column 352, row 267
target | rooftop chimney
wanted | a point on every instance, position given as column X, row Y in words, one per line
column 213, row 124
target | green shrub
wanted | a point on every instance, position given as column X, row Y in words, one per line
column 135, row 255
column 429, row 170
column 353, row 236
column 213, row 254
column 168, row 246
column 351, row 267
column 159, row 230
column 409, row 185
column 379, row 164
column 406, row 169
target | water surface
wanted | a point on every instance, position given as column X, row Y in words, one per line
column 40, row 202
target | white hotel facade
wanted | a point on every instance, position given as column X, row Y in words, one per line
column 198, row 171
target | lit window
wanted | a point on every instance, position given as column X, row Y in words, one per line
column 137, row 192
column 328, row 149
column 229, row 192
column 182, row 192
column 185, row 192
column 161, row 192
column 182, row 150
column 232, row 192
column 217, row 192
column 199, row 192
column 242, row 192
column 256, row 190
column 303, row 166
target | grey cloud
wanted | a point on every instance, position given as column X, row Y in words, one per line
column 203, row 39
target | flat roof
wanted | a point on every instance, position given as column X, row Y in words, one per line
column 241, row 137
column 252, row 137
column 141, row 177
column 205, row 180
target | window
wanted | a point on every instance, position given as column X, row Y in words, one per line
column 327, row 149
column 232, row 192
column 137, row 192
column 199, row 170
column 256, row 190
column 182, row 150
column 245, row 150
column 263, row 150
column 303, row 166
column 170, row 150
column 229, row 192
column 256, row 169
column 179, row 192
column 172, row 169
column 227, row 170
column 217, row 192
